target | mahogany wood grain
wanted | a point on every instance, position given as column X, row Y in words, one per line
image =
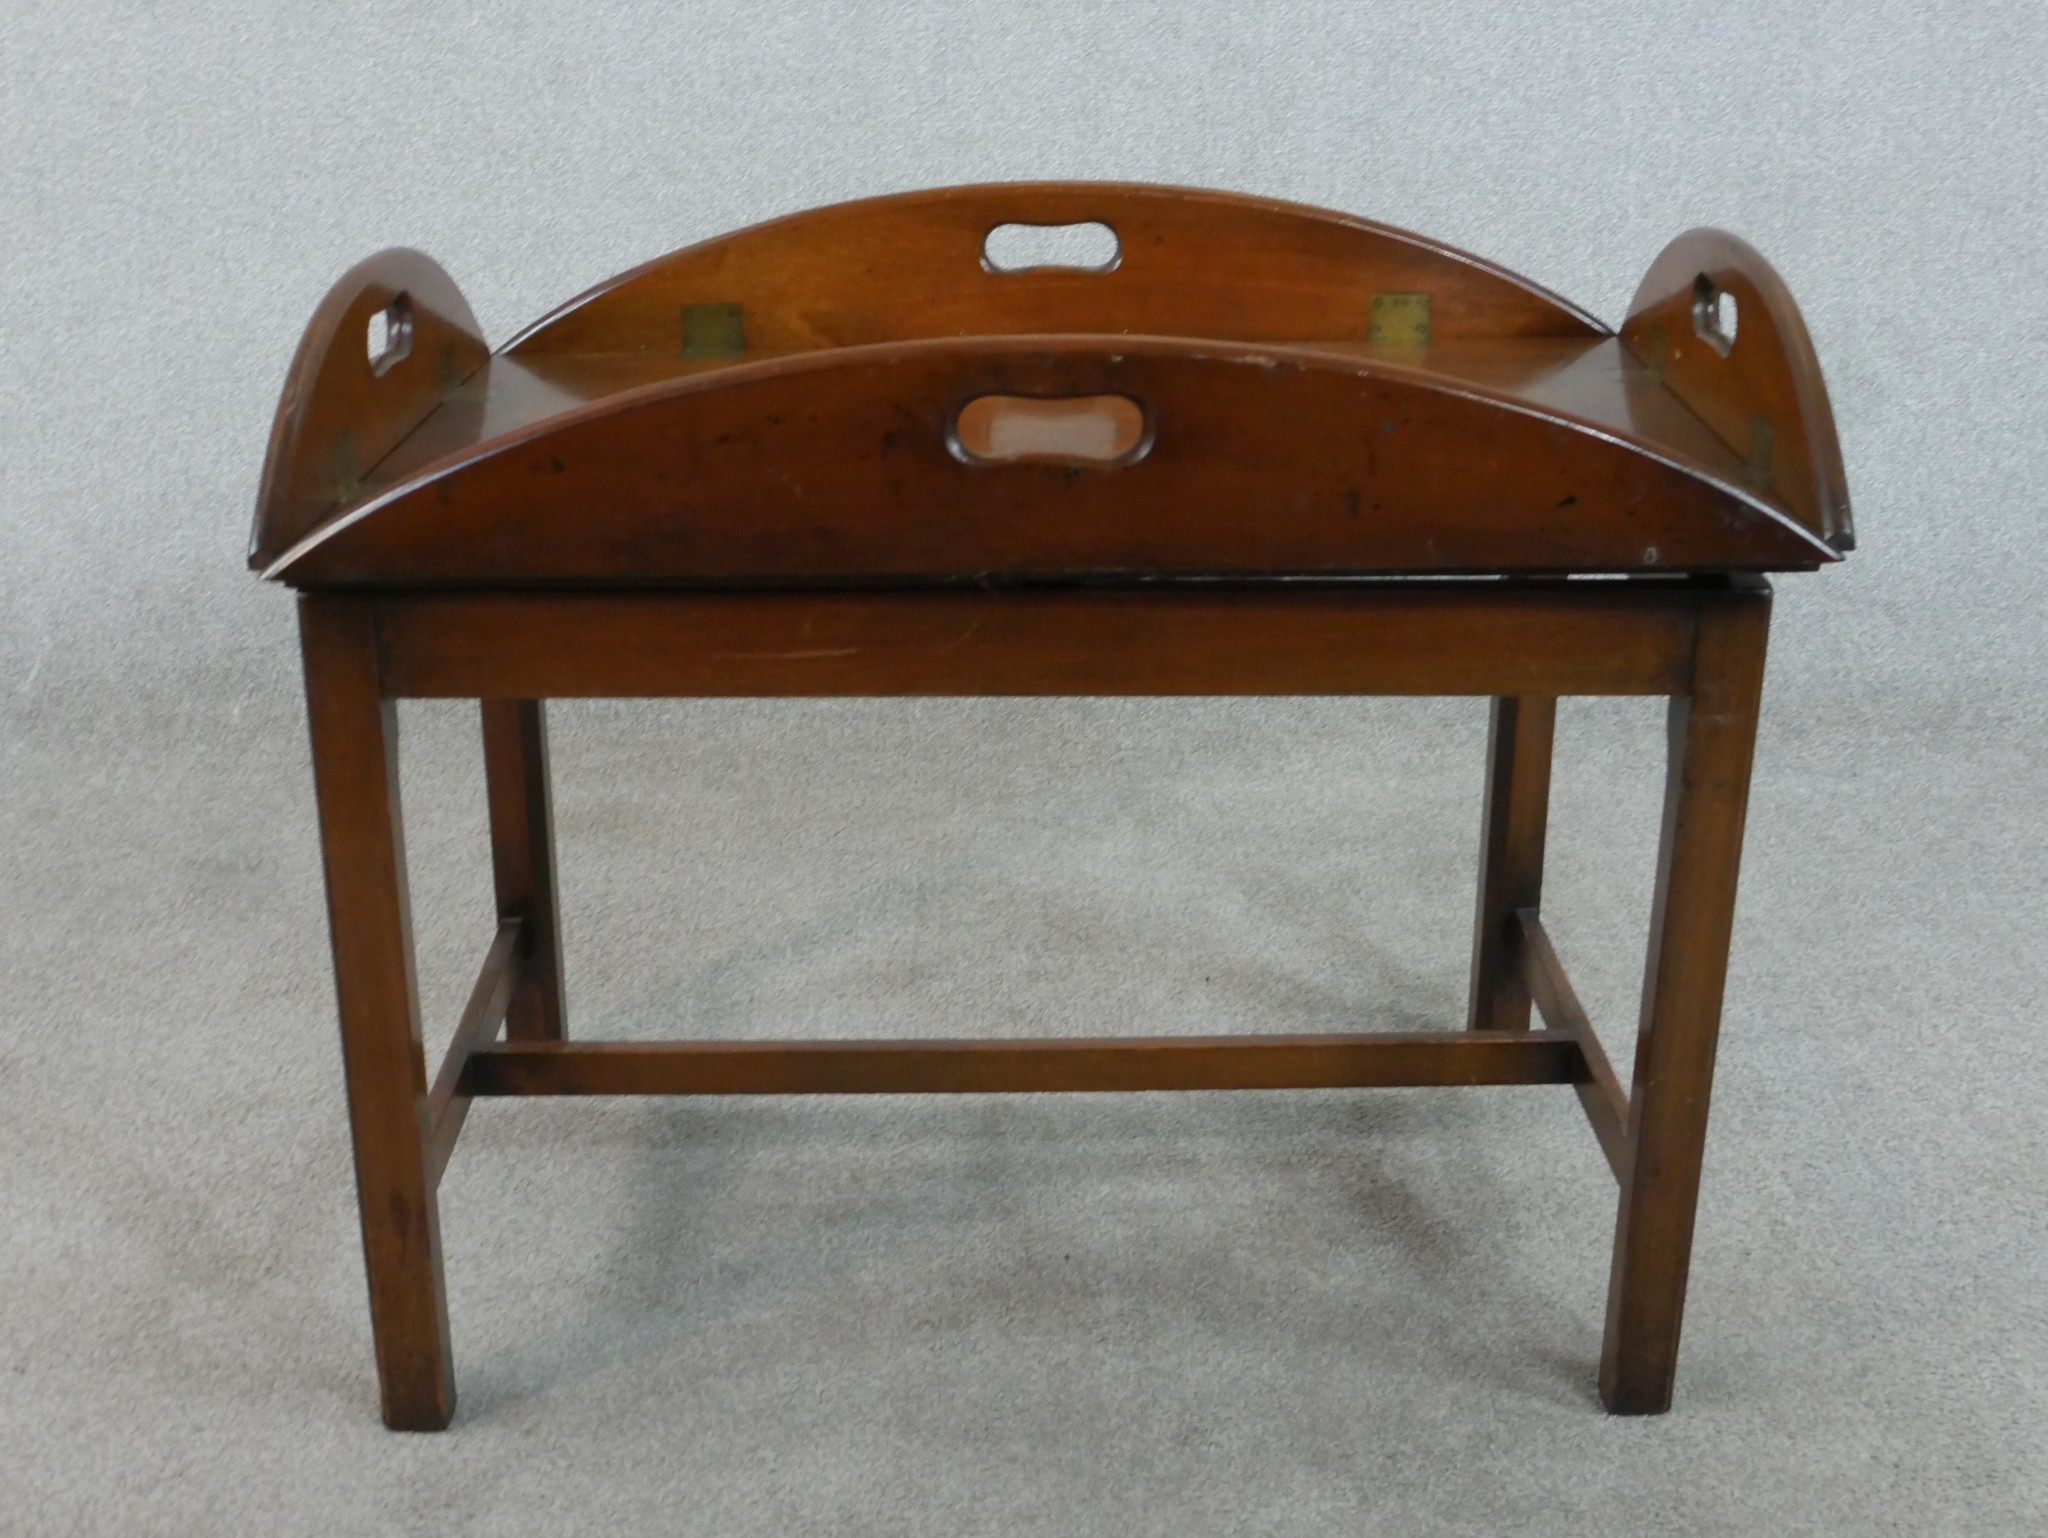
column 838, row 466
column 1764, row 394
column 1590, row 380
column 522, row 820
column 1517, row 812
column 497, row 982
column 1384, row 638
column 1022, row 1067
column 1544, row 979
column 1712, row 736
column 339, row 415
column 742, row 470
column 1191, row 263
column 355, row 776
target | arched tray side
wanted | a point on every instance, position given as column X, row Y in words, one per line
column 1761, row 391
column 1190, row 263
column 844, row 465
column 339, row 413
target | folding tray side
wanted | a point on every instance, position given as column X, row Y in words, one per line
column 1174, row 262
column 990, row 458
column 392, row 340
column 1717, row 326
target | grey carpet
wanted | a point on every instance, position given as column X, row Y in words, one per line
column 1286, row 1313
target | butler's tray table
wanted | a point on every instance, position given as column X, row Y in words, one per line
column 917, row 446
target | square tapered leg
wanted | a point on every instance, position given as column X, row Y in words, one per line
column 523, row 862
column 1712, row 734
column 1510, row 855
column 355, row 773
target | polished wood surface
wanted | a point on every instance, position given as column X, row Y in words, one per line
column 1602, row 638
column 1761, row 389
column 341, row 414
column 522, row 818
column 1520, row 732
column 1189, row 263
column 1320, row 395
column 1591, row 380
column 1522, row 642
column 354, row 729
column 841, row 465
column 1712, row 732
column 1545, row 983
column 1260, row 450
column 1023, row 1067
column 482, row 1018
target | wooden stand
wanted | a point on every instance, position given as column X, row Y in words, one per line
column 769, row 467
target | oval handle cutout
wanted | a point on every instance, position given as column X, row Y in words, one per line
column 1087, row 247
column 390, row 334
column 1715, row 314
column 1097, row 430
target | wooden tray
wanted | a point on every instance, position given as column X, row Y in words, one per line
column 1250, row 448
column 1249, row 388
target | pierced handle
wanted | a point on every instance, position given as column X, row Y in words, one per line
column 392, row 340
column 1715, row 325
column 1096, row 431
column 1088, row 245
column 1715, row 315
column 389, row 336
